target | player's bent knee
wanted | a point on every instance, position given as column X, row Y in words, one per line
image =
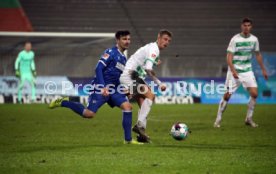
column 88, row 114
column 126, row 106
column 151, row 96
column 227, row 96
column 254, row 95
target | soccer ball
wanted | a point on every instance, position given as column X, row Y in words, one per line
column 179, row 131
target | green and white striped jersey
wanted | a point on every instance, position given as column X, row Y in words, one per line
column 137, row 62
column 142, row 72
column 242, row 49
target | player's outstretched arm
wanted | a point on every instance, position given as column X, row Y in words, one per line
column 259, row 58
column 152, row 75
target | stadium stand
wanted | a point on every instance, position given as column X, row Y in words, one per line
column 12, row 17
column 202, row 30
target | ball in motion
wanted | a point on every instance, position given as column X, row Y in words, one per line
column 179, row 131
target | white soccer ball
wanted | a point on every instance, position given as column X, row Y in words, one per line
column 179, row 131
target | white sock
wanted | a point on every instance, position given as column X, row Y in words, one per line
column 251, row 106
column 143, row 113
column 139, row 124
column 221, row 109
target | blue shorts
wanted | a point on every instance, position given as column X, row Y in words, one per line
column 95, row 101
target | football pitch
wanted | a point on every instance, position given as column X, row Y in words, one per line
column 35, row 139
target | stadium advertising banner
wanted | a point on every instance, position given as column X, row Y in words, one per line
column 210, row 91
column 47, row 89
column 179, row 90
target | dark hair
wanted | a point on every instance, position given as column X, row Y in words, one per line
column 244, row 20
column 28, row 42
column 121, row 33
column 164, row 31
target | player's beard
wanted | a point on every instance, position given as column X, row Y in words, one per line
column 126, row 46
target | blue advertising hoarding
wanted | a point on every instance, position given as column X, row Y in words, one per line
column 179, row 90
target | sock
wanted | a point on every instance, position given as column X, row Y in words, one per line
column 138, row 112
column 33, row 92
column 127, row 121
column 221, row 109
column 144, row 111
column 19, row 95
column 74, row 106
column 251, row 106
column 20, row 88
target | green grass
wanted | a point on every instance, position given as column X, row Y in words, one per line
column 34, row 139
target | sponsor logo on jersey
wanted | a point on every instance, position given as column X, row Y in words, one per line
column 120, row 66
column 105, row 56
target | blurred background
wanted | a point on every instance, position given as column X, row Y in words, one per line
column 202, row 30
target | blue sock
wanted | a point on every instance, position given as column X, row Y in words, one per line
column 74, row 106
column 127, row 121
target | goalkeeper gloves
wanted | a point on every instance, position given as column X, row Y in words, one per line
column 34, row 73
column 17, row 73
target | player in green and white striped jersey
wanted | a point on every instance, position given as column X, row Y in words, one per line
column 239, row 53
column 137, row 67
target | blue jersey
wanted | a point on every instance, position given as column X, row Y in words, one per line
column 110, row 67
column 108, row 72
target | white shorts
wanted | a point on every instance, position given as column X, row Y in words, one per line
column 247, row 80
column 126, row 80
column 133, row 86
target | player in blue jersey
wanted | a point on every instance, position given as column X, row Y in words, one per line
column 108, row 71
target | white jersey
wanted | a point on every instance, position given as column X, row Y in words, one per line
column 242, row 48
column 137, row 62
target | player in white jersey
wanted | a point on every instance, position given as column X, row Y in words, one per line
column 239, row 54
column 137, row 67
